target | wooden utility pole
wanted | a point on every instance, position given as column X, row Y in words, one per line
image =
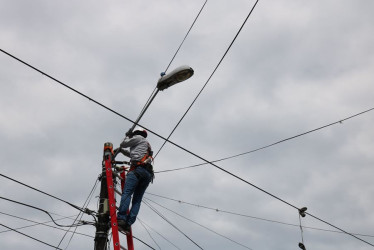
column 102, row 226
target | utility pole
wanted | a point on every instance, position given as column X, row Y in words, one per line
column 102, row 226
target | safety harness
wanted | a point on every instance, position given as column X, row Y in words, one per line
column 145, row 162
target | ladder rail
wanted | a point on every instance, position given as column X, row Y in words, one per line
column 130, row 242
column 112, row 203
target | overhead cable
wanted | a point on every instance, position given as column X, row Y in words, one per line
column 214, row 71
column 76, row 207
column 188, row 32
column 80, row 215
column 29, row 236
column 149, row 234
column 223, row 236
column 165, row 219
column 252, row 217
column 40, row 223
column 143, row 242
column 37, row 208
column 176, row 145
column 219, row 210
column 272, row 144
column 85, row 96
column 175, row 54
column 159, row 234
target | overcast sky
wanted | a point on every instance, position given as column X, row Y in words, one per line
column 295, row 66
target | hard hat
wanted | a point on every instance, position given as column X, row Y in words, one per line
column 140, row 131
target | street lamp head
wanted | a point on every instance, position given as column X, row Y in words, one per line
column 179, row 74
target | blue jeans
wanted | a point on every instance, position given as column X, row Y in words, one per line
column 135, row 186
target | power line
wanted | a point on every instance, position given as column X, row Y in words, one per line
column 37, row 208
column 85, row 204
column 272, row 144
column 214, row 71
column 176, row 145
column 143, row 242
column 200, row 225
column 40, row 223
column 251, row 217
column 188, row 32
column 307, row 213
column 348, row 233
column 29, row 236
column 85, row 96
column 149, row 234
column 159, row 234
column 218, row 210
column 175, row 54
column 165, row 219
column 38, row 190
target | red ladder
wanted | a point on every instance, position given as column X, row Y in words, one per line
column 112, row 206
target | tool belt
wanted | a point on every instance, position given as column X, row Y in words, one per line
column 146, row 166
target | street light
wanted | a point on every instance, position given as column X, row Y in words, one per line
column 179, row 74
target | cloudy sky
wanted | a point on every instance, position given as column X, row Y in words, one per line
column 295, row 66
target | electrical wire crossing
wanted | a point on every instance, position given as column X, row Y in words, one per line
column 143, row 242
column 149, row 234
column 80, row 215
column 165, row 219
column 40, row 223
column 221, row 235
column 175, row 54
column 188, row 32
column 211, row 164
column 160, row 234
column 249, row 216
column 206, row 83
column 87, row 97
column 45, row 211
column 180, row 147
column 273, row 144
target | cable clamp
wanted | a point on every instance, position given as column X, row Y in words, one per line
column 302, row 211
column 88, row 211
column 301, row 245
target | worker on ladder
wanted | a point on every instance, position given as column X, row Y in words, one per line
column 138, row 177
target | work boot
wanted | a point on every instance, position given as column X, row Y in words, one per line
column 123, row 226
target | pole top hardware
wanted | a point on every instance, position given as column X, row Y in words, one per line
column 108, row 145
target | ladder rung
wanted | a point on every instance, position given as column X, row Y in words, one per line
column 117, row 175
column 122, row 232
column 118, row 192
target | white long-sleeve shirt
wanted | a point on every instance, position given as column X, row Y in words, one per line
column 138, row 147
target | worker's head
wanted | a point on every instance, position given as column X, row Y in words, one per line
column 140, row 131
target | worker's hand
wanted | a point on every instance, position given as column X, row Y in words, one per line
column 116, row 150
column 129, row 133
